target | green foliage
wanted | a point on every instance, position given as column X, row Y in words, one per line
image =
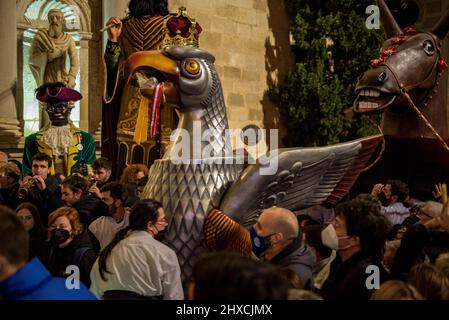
column 332, row 47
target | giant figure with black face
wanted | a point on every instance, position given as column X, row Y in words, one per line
column 69, row 147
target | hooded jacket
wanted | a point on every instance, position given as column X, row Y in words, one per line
column 299, row 258
column 33, row 282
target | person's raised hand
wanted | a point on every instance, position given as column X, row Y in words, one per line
column 377, row 189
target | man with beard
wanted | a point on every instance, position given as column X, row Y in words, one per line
column 105, row 228
column 392, row 195
column 102, row 169
column 48, row 54
column 68, row 146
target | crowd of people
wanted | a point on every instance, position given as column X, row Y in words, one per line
column 383, row 245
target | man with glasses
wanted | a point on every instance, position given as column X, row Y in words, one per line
column 69, row 147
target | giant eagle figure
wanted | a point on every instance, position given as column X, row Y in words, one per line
column 192, row 181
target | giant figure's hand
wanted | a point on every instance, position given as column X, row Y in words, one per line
column 55, row 53
column 115, row 31
column 70, row 81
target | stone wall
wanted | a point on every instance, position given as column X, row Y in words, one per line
column 250, row 41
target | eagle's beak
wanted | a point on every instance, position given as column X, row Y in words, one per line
column 158, row 66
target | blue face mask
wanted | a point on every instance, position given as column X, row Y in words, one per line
column 259, row 244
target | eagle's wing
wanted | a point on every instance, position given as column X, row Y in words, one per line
column 303, row 177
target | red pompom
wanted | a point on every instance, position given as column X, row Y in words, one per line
column 442, row 65
column 377, row 62
column 398, row 40
column 388, row 52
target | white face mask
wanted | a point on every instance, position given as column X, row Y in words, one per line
column 330, row 239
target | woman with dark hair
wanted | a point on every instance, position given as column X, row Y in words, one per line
column 31, row 220
column 136, row 266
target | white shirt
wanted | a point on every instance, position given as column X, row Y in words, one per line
column 396, row 213
column 105, row 228
column 140, row 264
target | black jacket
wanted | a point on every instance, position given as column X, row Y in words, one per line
column 38, row 245
column 90, row 208
column 299, row 258
column 47, row 200
column 416, row 243
column 79, row 252
column 8, row 195
column 347, row 280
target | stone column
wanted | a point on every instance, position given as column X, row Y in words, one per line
column 84, row 80
column 10, row 134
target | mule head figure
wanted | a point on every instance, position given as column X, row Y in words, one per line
column 412, row 63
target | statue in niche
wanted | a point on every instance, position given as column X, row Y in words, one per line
column 48, row 54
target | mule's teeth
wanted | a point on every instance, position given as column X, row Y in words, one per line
column 370, row 93
column 368, row 105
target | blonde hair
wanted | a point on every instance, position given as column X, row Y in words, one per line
column 396, row 290
column 71, row 214
column 129, row 173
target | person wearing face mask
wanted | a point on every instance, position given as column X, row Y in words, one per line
column 135, row 265
column 68, row 146
column 106, row 227
column 392, row 195
column 70, row 245
column 21, row 279
column 275, row 237
column 358, row 234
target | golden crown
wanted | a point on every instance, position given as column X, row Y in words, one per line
column 181, row 30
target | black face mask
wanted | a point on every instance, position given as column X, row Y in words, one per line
column 383, row 199
column 160, row 235
column 60, row 236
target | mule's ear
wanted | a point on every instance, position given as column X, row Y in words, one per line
column 391, row 27
column 442, row 27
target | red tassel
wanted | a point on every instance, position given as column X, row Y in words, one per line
column 156, row 109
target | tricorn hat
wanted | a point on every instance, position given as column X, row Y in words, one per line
column 221, row 233
column 58, row 94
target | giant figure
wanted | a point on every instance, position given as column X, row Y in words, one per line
column 69, row 147
column 195, row 176
column 126, row 134
column 403, row 84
